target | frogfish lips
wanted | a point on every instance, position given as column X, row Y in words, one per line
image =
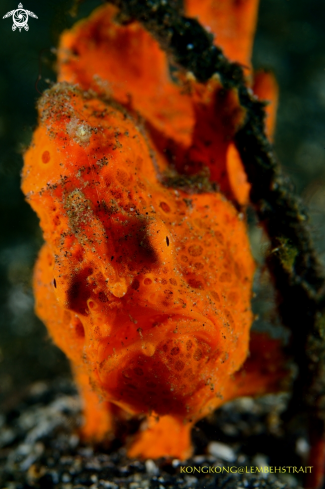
column 163, row 373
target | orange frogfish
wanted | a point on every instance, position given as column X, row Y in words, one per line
column 145, row 277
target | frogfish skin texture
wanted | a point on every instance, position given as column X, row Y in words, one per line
column 145, row 286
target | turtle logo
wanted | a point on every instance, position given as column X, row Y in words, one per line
column 20, row 18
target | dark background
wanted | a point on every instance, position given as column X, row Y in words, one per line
column 290, row 40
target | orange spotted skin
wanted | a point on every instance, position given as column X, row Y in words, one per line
column 146, row 288
column 90, row 55
column 158, row 280
column 181, row 118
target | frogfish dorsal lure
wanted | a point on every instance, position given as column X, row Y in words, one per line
column 146, row 286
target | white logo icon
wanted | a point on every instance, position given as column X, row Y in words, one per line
column 20, row 18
